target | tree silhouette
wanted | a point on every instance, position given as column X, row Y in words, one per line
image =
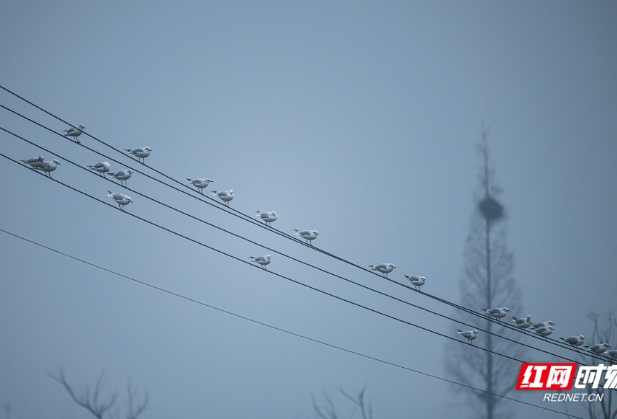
column 486, row 282
column 92, row 402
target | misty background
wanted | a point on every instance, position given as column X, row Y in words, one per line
column 357, row 120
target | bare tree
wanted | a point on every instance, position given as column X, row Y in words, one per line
column 604, row 331
column 92, row 402
column 327, row 410
column 486, row 282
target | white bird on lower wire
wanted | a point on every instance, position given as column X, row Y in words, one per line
column 200, row 184
column 141, row 153
column 522, row 323
column 497, row 313
column 35, row 161
column 598, row 348
column 74, row 132
column 268, row 216
column 262, row 260
column 308, row 235
column 416, row 281
column 48, row 166
column 122, row 176
column 612, row 353
column 384, row 268
column 225, row 196
column 542, row 324
column 470, row 335
column 120, row 198
column 544, row 331
column 575, row 341
column 102, row 168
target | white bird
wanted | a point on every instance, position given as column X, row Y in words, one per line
column 48, row 166
column 74, row 132
column 141, row 153
column 598, row 348
column 416, row 281
column 522, row 323
column 575, row 341
column 612, row 353
column 498, row 313
column 225, row 196
column 200, row 184
column 542, row 324
column 122, row 175
column 35, row 161
column 384, row 268
column 268, row 216
column 308, row 235
column 470, row 335
column 102, row 168
column 262, row 260
column 120, row 198
column 544, row 331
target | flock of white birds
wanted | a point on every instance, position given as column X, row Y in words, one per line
column 543, row 329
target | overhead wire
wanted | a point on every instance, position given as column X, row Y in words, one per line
column 279, row 329
column 291, row 257
column 236, row 212
column 276, row 231
column 329, row 294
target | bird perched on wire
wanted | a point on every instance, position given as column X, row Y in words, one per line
column 35, row 161
column 141, row 153
column 497, row 313
column 598, row 348
column 575, row 341
column 48, row 167
column 120, row 198
column 384, row 268
column 416, row 281
column 612, row 353
column 262, row 260
column 522, row 323
column 200, row 184
column 225, row 196
column 74, row 132
column 102, row 168
column 308, row 235
column 542, row 324
column 268, row 216
column 544, row 331
column 122, row 176
column 470, row 335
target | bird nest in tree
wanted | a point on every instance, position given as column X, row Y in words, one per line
column 491, row 209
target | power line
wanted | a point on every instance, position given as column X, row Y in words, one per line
column 246, row 217
column 295, row 259
column 268, row 271
column 279, row 329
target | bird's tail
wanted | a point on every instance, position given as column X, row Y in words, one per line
column 128, row 149
column 561, row 338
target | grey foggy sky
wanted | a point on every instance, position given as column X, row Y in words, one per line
column 358, row 120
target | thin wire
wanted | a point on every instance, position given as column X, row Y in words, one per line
column 239, row 214
column 320, row 342
column 292, row 258
column 265, row 270
column 246, row 217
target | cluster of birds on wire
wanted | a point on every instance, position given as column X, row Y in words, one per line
column 543, row 329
